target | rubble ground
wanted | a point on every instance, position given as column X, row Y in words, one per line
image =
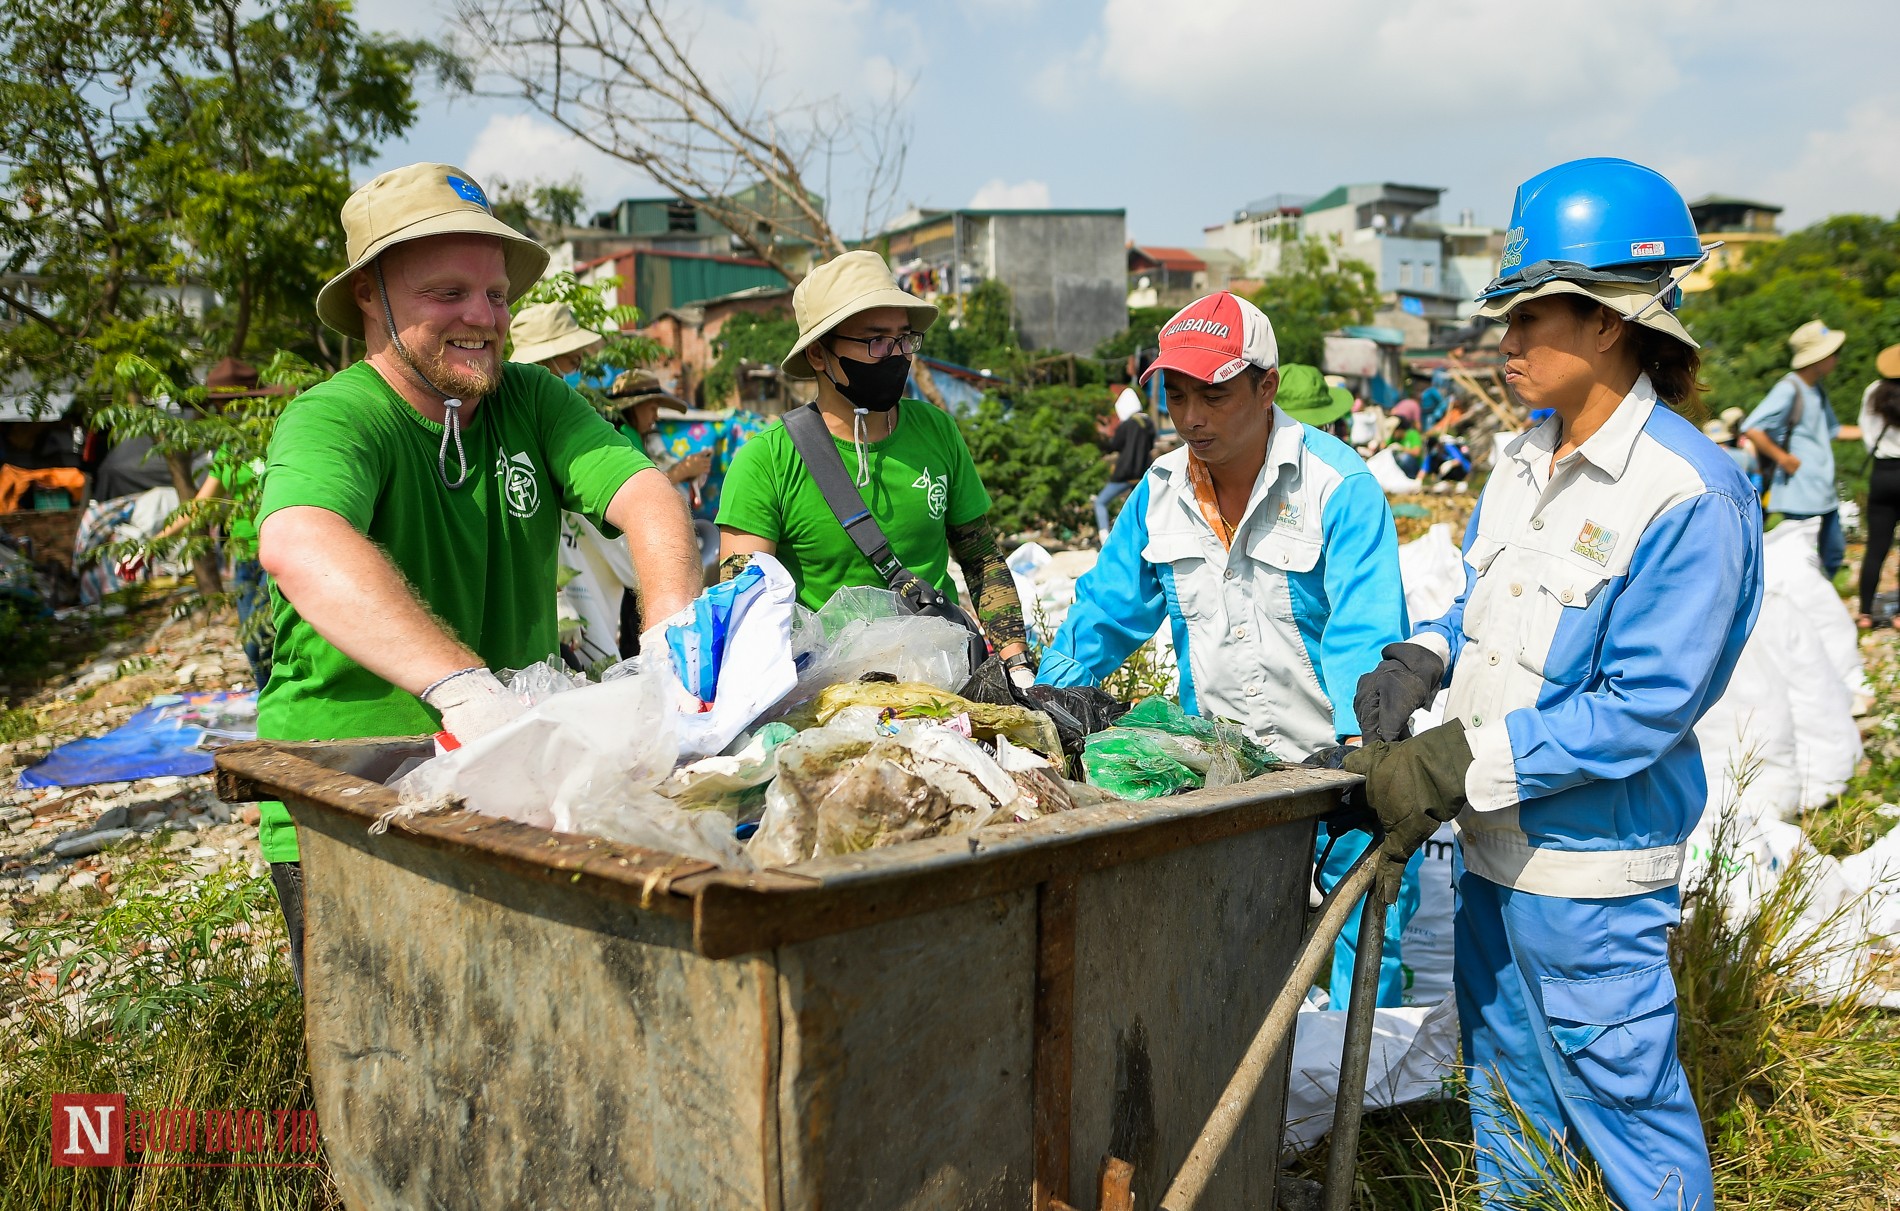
column 114, row 659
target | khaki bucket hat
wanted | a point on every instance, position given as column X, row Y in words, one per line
column 1813, row 342
column 413, row 203
column 1620, row 297
column 841, row 288
column 547, row 330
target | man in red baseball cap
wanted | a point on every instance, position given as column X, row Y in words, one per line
column 1268, row 547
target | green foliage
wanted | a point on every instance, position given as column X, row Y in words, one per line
column 239, row 429
column 980, row 334
column 520, row 203
column 174, row 174
column 1315, row 292
column 1144, row 326
column 18, row 724
column 1844, row 271
column 747, row 337
column 1038, row 453
column 173, row 989
column 26, row 637
column 622, row 350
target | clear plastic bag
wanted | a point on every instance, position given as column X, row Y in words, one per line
column 861, row 630
column 861, row 783
column 588, row 761
column 539, row 682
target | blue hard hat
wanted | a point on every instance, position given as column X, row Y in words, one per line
column 1599, row 219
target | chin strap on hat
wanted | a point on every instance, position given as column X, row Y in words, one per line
column 451, row 406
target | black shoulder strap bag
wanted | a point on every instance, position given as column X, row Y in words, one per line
column 814, row 444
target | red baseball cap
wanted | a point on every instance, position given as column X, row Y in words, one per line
column 1215, row 338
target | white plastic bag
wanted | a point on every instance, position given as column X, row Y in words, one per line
column 1392, row 480
column 1433, row 573
column 585, row 761
column 735, row 639
column 861, row 630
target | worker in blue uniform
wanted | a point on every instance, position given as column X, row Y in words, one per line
column 1612, row 575
column 1268, row 547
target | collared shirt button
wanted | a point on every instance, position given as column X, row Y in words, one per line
column 1567, row 596
column 1476, row 721
column 1492, row 658
column 1517, row 590
column 1228, row 574
column 1537, row 523
column 1240, row 632
column 1253, row 691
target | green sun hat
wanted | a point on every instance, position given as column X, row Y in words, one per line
column 1306, row 398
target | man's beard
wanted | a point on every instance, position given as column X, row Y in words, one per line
column 461, row 381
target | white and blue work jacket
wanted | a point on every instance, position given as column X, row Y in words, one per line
column 1274, row 632
column 1606, row 601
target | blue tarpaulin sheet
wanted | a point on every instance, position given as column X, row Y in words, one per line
column 175, row 734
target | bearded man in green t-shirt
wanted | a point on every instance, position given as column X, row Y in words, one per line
column 412, row 504
column 857, row 330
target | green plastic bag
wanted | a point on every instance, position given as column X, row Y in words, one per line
column 1132, row 764
column 1219, row 751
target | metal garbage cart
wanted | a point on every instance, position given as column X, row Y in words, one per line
column 502, row 1016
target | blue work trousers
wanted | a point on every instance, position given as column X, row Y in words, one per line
column 1830, row 542
column 1110, row 490
column 1568, row 1011
column 1394, row 976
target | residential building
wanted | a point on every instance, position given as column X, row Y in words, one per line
column 1259, row 231
column 678, row 225
column 1738, row 225
column 1471, row 256
column 1067, row 270
column 657, row 280
column 687, row 333
column 1175, row 277
column 1395, row 229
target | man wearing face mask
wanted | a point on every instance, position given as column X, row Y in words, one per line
column 412, row 503
column 857, row 331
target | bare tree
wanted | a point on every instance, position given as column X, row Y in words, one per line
column 621, row 76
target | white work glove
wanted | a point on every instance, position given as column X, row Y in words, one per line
column 473, row 703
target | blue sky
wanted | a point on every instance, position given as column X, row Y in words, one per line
column 1181, row 111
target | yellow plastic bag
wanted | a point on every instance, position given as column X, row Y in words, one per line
column 916, row 700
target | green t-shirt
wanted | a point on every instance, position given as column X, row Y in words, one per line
column 236, row 477
column 922, row 481
column 483, row 558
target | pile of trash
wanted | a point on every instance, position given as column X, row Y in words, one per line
column 766, row 734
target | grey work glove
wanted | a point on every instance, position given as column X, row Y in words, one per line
column 1405, row 681
column 1414, row 786
column 473, row 703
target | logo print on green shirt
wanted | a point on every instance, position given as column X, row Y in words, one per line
column 518, row 485
column 936, row 490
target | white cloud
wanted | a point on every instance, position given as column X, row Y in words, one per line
column 998, row 194
column 1850, row 167
column 521, row 147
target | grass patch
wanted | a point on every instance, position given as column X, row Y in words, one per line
column 17, row 724
column 173, row 990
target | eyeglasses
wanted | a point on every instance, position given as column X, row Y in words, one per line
column 881, row 347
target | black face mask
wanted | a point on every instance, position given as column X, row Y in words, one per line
column 874, row 386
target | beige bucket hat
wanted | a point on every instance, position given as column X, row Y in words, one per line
column 841, row 288
column 1620, row 297
column 413, row 203
column 547, row 330
column 1813, row 342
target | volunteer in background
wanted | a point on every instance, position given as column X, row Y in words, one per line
column 1132, row 443
column 1612, row 573
column 229, row 476
column 547, row 334
column 1793, row 431
column 1264, row 544
column 639, row 396
column 857, row 331
column 411, row 509
column 1880, row 430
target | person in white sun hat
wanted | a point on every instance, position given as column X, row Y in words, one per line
column 1793, row 431
column 547, row 334
column 411, row 514
column 905, row 466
